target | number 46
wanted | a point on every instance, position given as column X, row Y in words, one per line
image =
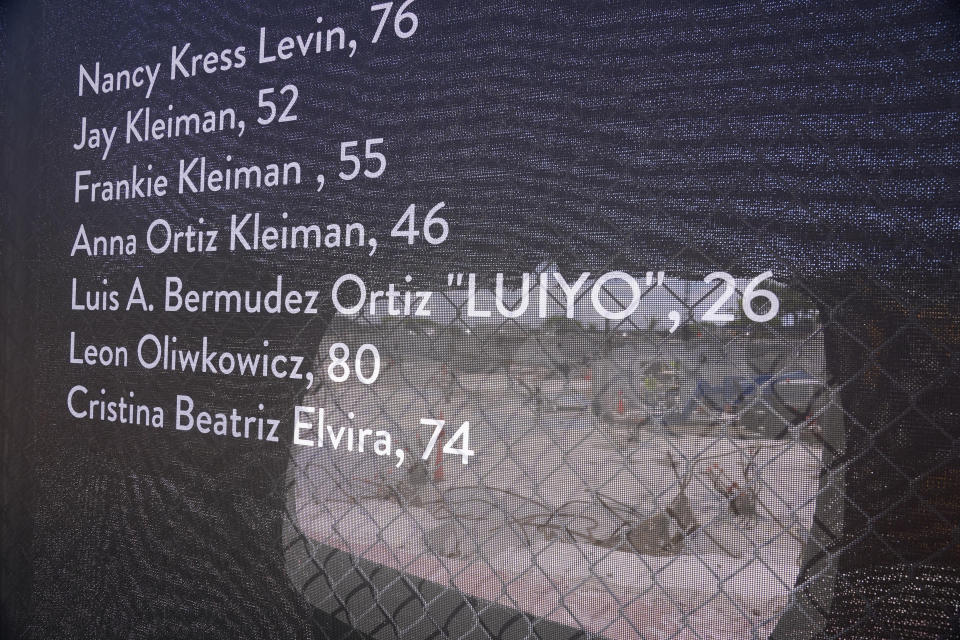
column 435, row 228
column 462, row 434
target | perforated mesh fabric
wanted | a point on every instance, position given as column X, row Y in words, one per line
column 819, row 141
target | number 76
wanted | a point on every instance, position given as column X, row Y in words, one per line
column 399, row 19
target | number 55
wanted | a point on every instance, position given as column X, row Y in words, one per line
column 369, row 154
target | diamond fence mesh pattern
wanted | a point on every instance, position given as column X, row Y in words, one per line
column 787, row 479
column 589, row 456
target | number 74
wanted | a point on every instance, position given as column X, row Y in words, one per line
column 462, row 435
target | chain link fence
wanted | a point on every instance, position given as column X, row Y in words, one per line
column 627, row 481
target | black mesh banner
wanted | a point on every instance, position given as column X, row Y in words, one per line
column 422, row 319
